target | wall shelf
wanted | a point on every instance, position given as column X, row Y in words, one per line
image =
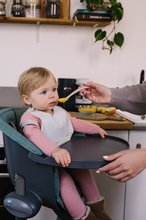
column 56, row 21
column 63, row 20
column 2, row 18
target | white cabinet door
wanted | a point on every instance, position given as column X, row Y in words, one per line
column 113, row 191
column 135, row 206
column 45, row 214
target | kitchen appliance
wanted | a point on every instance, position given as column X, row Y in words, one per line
column 65, row 87
column 80, row 99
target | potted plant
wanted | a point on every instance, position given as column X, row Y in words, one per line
column 112, row 38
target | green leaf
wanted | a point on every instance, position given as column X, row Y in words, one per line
column 110, row 43
column 113, row 2
column 119, row 39
column 99, row 35
column 117, row 12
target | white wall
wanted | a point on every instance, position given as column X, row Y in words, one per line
column 70, row 51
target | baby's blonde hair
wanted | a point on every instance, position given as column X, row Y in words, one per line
column 32, row 79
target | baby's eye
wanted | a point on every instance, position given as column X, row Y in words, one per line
column 44, row 92
column 54, row 89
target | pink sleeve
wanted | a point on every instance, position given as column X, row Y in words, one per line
column 34, row 134
column 83, row 126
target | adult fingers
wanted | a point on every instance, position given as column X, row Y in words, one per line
column 107, row 168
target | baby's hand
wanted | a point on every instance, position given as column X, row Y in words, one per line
column 101, row 131
column 61, row 156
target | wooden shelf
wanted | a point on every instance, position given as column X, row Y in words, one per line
column 2, row 18
column 56, row 21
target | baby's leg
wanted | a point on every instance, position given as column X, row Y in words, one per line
column 90, row 192
column 70, row 196
column 87, row 184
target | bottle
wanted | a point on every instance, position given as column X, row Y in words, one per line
column 18, row 9
column 53, row 9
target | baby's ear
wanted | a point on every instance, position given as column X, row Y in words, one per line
column 26, row 100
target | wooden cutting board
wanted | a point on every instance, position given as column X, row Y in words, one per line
column 97, row 116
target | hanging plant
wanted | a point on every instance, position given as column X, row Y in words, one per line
column 112, row 38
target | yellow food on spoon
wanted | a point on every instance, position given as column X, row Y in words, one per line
column 63, row 100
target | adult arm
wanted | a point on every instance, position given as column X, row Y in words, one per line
column 130, row 98
column 124, row 165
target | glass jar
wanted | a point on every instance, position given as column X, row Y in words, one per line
column 53, row 9
column 32, row 11
column 2, row 8
column 32, row 8
column 18, row 9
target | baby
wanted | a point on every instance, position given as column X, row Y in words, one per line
column 48, row 126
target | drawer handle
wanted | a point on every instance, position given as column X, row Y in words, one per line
column 3, row 161
column 4, row 175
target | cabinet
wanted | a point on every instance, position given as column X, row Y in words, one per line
column 135, row 203
column 112, row 191
column 63, row 20
column 45, row 213
column 5, row 184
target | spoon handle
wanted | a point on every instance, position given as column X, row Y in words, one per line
column 75, row 91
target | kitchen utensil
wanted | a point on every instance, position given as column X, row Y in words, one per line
column 87, row 109
column 65, row 99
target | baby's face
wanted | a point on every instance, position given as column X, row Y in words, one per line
column 45, row 97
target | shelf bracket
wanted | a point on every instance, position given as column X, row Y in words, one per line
column 37, row 32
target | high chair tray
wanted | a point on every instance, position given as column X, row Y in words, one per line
column 87, row 151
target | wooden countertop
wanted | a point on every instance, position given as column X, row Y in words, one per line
column 111, row 122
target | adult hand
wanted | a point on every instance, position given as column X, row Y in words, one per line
column 125, row 165
column 61, row 156
column 97, row 93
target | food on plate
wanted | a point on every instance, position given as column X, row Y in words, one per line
column 108, row 110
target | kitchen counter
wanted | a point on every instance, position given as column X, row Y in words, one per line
column 111, row 122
